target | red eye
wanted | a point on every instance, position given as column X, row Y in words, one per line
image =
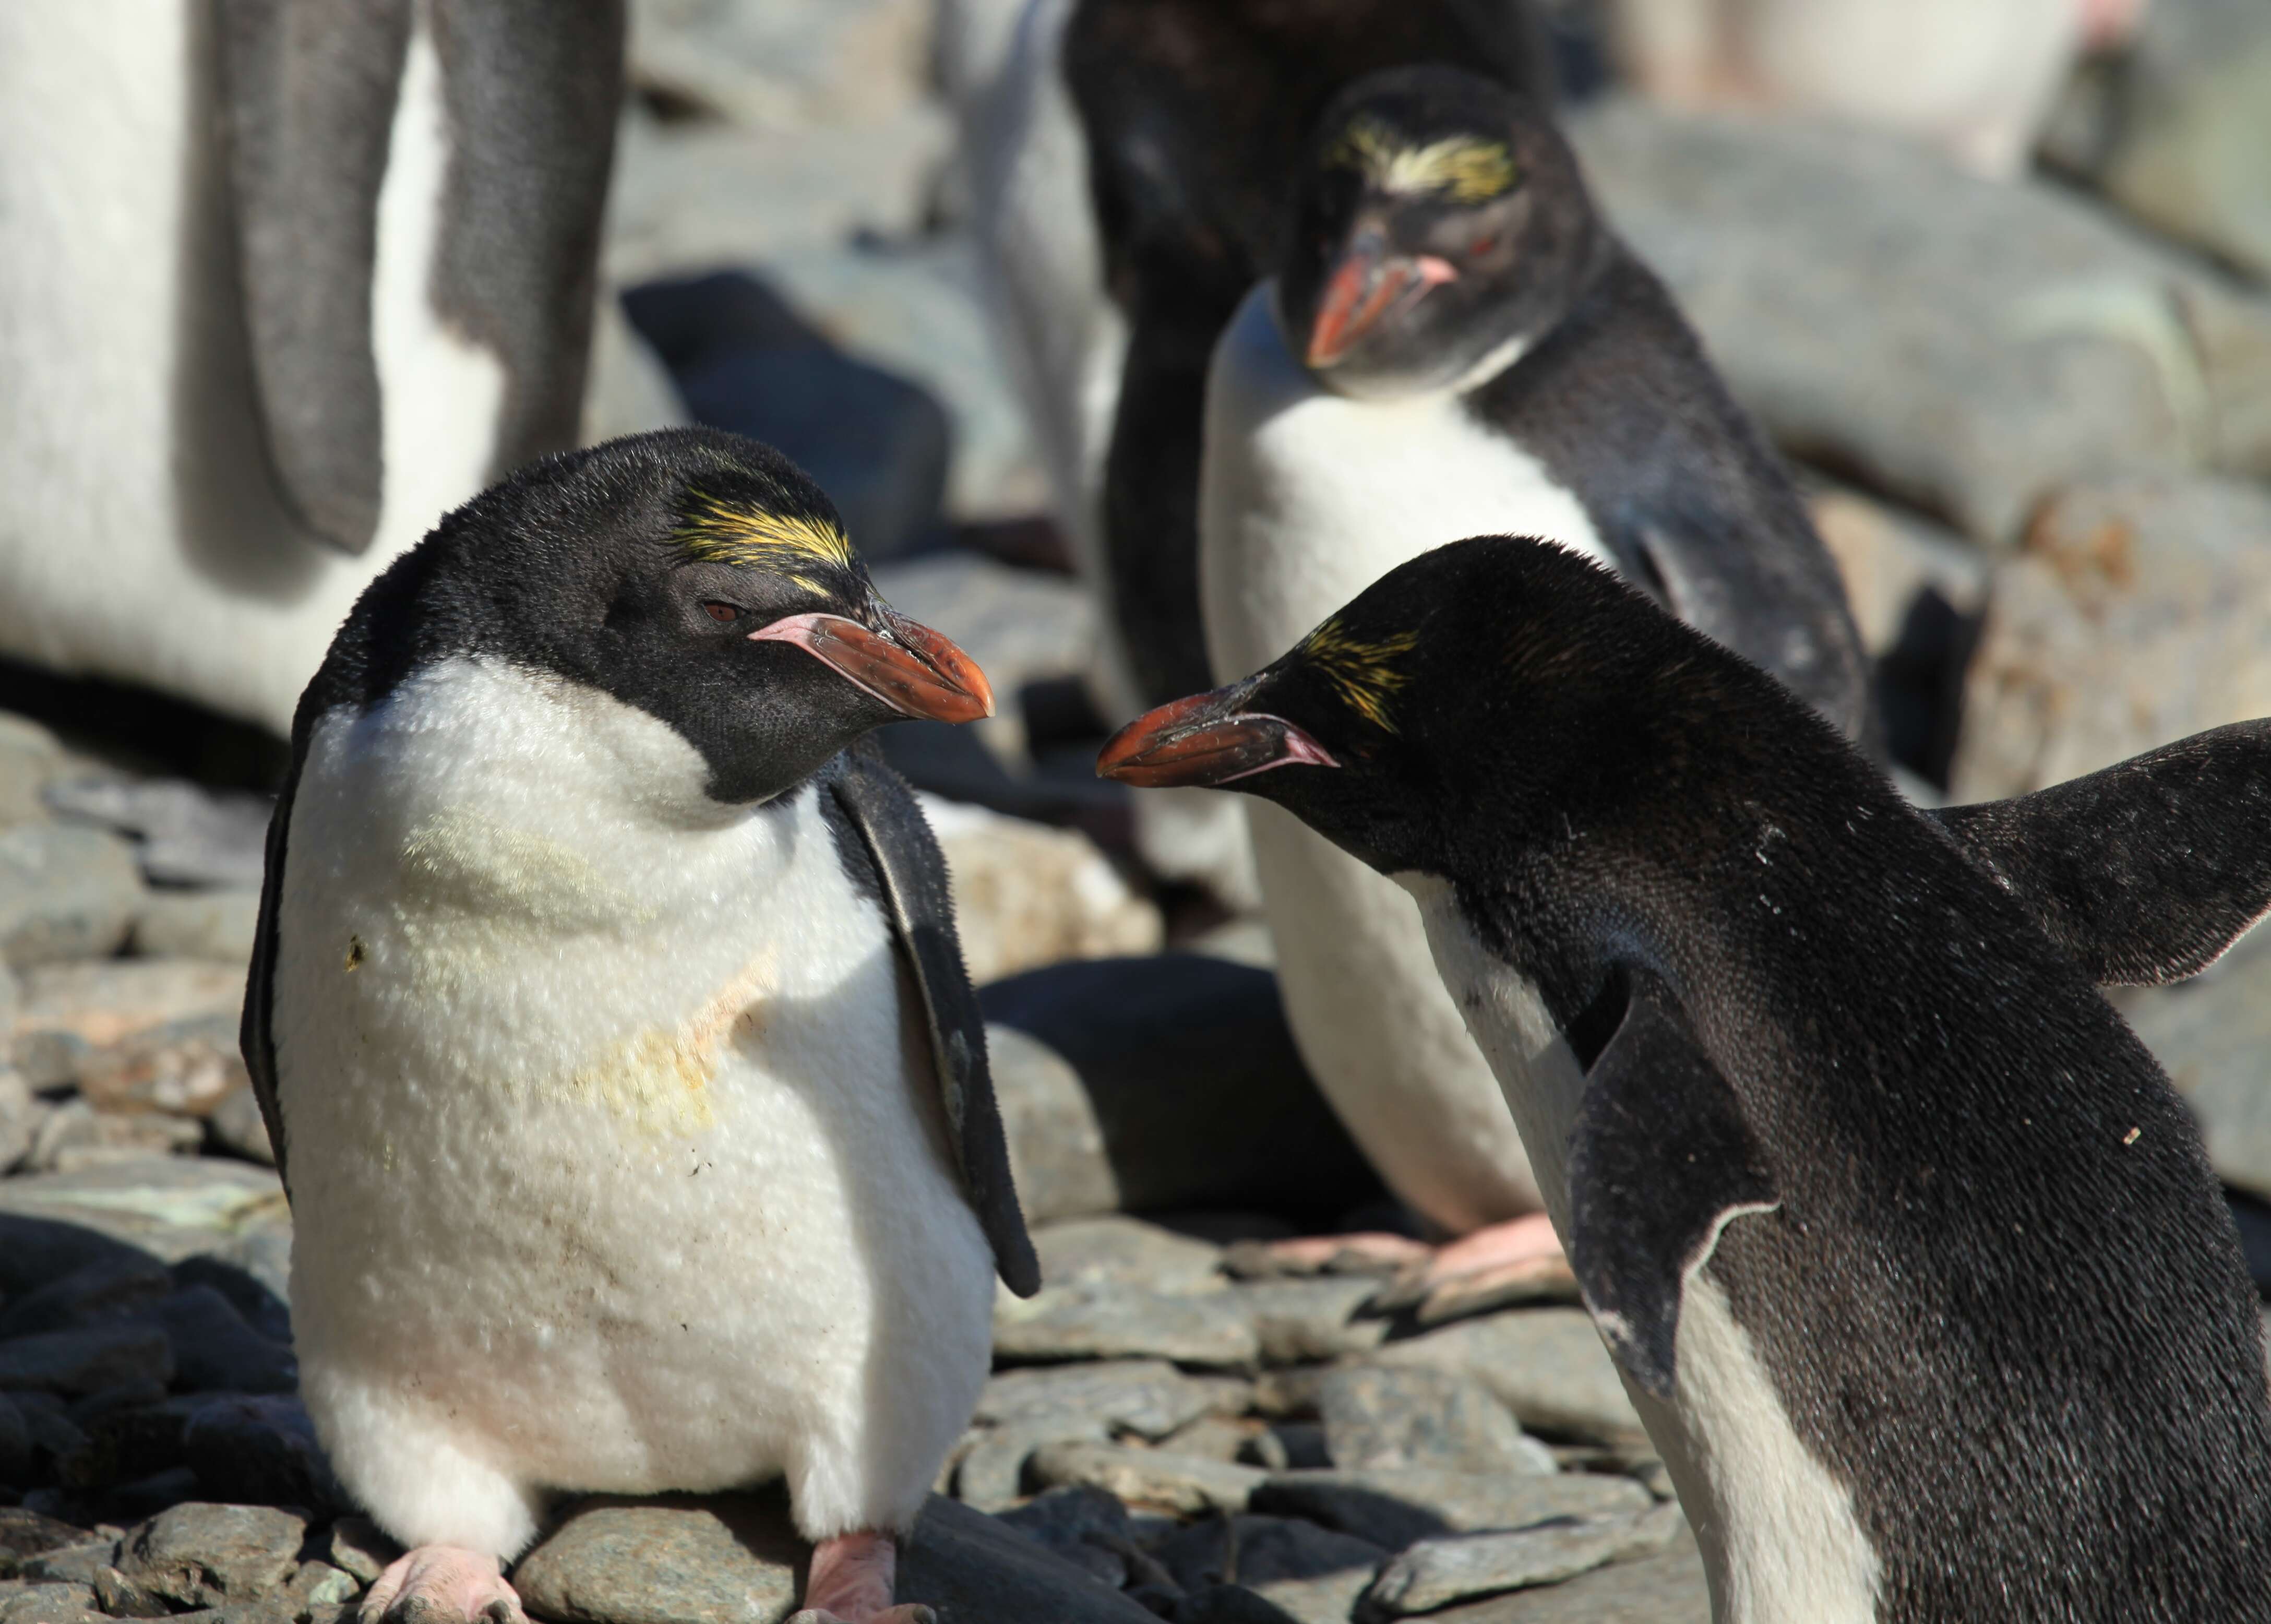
column 722, row 612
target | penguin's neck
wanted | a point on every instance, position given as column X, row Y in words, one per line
column 1307, row 497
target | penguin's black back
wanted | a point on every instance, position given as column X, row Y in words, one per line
column 1196, row 113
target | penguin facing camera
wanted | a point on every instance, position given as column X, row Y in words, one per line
column 608, row 1019
column 1907, row 1251
column 1455, row 343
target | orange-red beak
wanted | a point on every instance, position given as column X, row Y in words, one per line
column 1367, row 284
column 1209, row 738
column 913, row 670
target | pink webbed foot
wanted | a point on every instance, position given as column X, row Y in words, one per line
column 1499, row 1264
column 1367, row 1251
column 851, row 1583
column 441, row 1585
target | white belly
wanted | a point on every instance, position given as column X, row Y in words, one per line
column 612, row 1165
column 1307, row 499
column 1778, row 1532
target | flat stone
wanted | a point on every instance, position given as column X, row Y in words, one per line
column 1215, row 1437
column 1026, row 895
column 1671, row 1588
column 71, row 1564
column 991, row 1474
column 973, row 1568
column 2130, row 618
column 171, row 1207
column 70, row 1011
column 1183, row 1484
column 51, row 1604
column 1392, row 1508
column 87, row 1360
column 1436, row 1573
column 260, row 1450
column 1118, row 1250
column 717, row 1559
column 187, row 834
column 122, row 1597
column 1191, row 1081
column 120, row 1284
column 215, row 1351
column 1545, row 1364
column 30, row 757
column 74, row 1135
column 66, row 892
column 1411, row 1415
column 183, row 1068
column 1299, row 1321
column 1102, row 1321
column 2018, row 339
column 1148, row 1396
column 204, row 1555
column 26, row 1533
column 217, row 925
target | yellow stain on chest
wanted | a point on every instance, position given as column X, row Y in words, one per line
column 658, row 1079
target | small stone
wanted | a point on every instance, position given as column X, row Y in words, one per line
column 30, row 757
column 71, row 1564
column 199, row 1555
column 65, row 893
column 51, row 1604
column 184, row 1068
column 717, row 1559
column 26, row 1533
column 991, row 1474
column 319, row 1584
column 74, row 1136
column 215, row 1351
column 86, row 1361
column 122, row 1597
column 360, row 1547
column 1545, row 1364
column 1118, row 1250
column 1100, row 1321
column 1671, row 1588
column 262, row 1450
column 1182, row 1484
column 1026, row 895
column 1392, row 1508
column 1392, row 1416
column 1144, row 1396
column 237, row 1126
column 1435, row 1573
column 218, row 925
column 977, row 1569
column 1300, row 1321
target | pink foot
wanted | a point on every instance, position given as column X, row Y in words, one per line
column 1499, row 1264
column 1369, row 1253
column 851, row 1583
column 441, row 1585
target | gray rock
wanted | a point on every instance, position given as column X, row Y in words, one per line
column 1666, row 1589
column 1889, row 558
column 51, row 1604
column 1147, row 1396
column 71, row 1564
column 215, row 1351
column 319, row 1584
column 1312, row 1574
column 1545, row 1364
column 785, row 65
column 717, row 1559
column 1215, row 1437
column 26, row 1533
column 1182, row 1484
column 237, row 1126
column 30, row 757
column 183, row 1069
column 260, row 1450
column 118, row 1285
column 1300, row 1320
column 2210, row 1034
column 87, row 1360
column 2133, row 616
column 171, row 1207
column 1392, row 1508
column 72, row 1012
column 189, row 835
column 1026, row 895
column 1193, row 1083
column 1057, row 1152
column 991, row 1474
column 975, row 1569
column 2017, row 338
column 1435, row 1573
column 73, row 1135
column 218, row 925
column 1102, row 1321
column 65, row 892
column 1411, row 1415
column 1118, row 1250
column 204, row 1555
column 359, row 1546
column 1085, row 1526
column 122, row 1597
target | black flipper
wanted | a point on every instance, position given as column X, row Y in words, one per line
column 255, row 1035
column 1660, row 1159
column 311, row 90
column 2145, row 872
column 911, row 875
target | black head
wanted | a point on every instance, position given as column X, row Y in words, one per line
column 697, row 575
column 1493, row 693
column 1439, row 221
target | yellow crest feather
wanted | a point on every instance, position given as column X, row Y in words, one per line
column 1468, row 168
column 1363, row 674
column 724, row 532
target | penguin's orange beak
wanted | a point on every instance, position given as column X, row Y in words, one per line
column 1209, row 738
column 907, row 665
column 1367, row 284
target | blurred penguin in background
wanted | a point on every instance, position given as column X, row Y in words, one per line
column 1133, row 166
column 1974, row 78
column 281, row 281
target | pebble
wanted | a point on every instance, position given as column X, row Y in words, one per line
column 1378, row 1415
column 1118, row 1250
column 1393, row 1506
column 716, row 1559
column 199, row 1555
column 1435, row 1573
column 1147, row 1396
column 361, row 1547
column 1666, row 1589
column 1184, row 1484
column 1545, row 1364
column 1299, row 1320
column 1103, row 1321
column 66, row 892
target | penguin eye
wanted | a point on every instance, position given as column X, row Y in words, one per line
column 722, row 612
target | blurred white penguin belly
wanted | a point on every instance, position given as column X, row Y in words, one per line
column 1307, row 499
column 613, row 1164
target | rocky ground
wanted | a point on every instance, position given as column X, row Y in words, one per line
column 2034, row 422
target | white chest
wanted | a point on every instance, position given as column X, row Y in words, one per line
column 1307, row 497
